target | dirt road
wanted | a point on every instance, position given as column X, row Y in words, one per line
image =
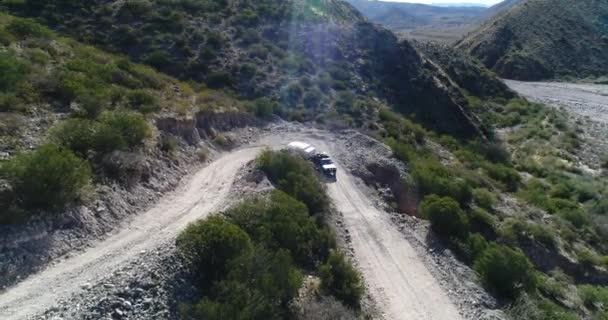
column 395, row 274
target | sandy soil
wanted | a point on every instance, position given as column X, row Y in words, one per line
column 394, row 272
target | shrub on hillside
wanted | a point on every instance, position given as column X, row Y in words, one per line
column 258, row 286
column 504, row 270
column 83, row 136
column 312, row 98
column 509, row 177
column 341, row 279
column 264, row 107
column 131, row 126
column 475, row 245
column 143, row 101
column 209, row 246
column 48, row 178
column 27, row 28
column 12, row 71
column 445, row 215
column 577, row 217
column 595, row 297
column 296, row 177
column 283, row 222
column 292, row 94
column 433, row 178
column 484, row 198
column 218, row 80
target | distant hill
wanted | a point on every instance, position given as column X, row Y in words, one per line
column 424, row 22
column 497, row 8
column 459, row 4
column 544, row 39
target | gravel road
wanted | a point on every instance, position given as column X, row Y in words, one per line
column 394, row 272
column 199, row 196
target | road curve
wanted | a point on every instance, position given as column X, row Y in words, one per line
column 393, row 271
column 195, row 199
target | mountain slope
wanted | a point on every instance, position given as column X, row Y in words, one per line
column 498, row 8
column 544, row 39
column 420, row 21
column 265, row 48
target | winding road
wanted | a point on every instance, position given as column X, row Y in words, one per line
column 394, row 273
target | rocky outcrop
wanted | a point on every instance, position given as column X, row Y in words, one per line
column 206, row 125
column 184, row 128
column 209, row 123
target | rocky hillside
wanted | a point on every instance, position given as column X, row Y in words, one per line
column 467, row 72
column 303, row 53
column 544, row 39
column 498, row 8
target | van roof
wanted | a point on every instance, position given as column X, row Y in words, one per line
column 299, row 145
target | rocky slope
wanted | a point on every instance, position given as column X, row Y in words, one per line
column 544, row 39
column 262, row 48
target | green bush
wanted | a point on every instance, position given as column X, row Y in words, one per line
column 306, row 188
column 282, row 222
column 6, row 38
column 577, row 217
column 445, row 215
column 83, row 136
column 480, row 218
column 341, row 279
column 158, row 59
column 312, row 98
column 218, row 80
column 475, row 244
column 484, row 198
column 48, row 178
column 433, row 178
column 12, row 72
column 595, row 297
column 258, row 286
column 131, row 126
column 296, row 177
column 509, row 177
column 209, row 246
column 504, row 270
column 264, row 107
column 27, row 28
column 292, row 94
column 143, row 101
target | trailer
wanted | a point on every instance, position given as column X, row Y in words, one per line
column 304, row 149
column 321, row 160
